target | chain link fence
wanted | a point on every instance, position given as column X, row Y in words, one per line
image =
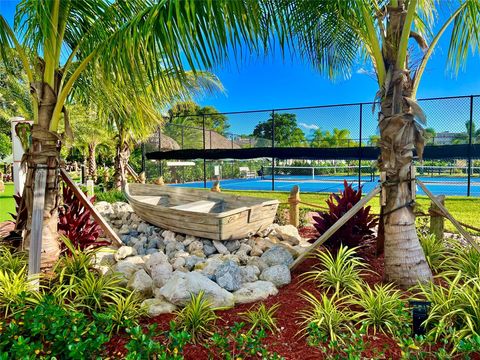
column 452, row 122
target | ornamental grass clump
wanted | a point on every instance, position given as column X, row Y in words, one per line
column 435, row 250
column 197, row 318
column 326, row 318
column 465, row 259
column 261, row 318
column 338, row 271
column 356, row 229
column 381, row 308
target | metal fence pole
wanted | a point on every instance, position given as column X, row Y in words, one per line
column 204, row 160
column 273, row 147
column 470, row 133
column 160, row 169
column 360, row 148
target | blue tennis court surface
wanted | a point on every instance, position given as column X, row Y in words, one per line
column 456, row 186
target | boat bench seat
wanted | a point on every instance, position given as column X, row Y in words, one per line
column 197, row 206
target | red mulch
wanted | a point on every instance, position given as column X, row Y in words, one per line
column 289, row 342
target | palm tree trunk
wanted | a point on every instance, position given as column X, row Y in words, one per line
column 44, row 150
column 121, row 160
column 92, row 162
column 405, row 262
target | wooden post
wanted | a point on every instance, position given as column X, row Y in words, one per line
column 93, row 211
column 449, row 216
column 35, row 250
column 294, row 206
column 142, row 177
column 437, row 221
column 340, row 222
column 160, row 181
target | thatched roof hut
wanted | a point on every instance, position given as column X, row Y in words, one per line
column 162, row 142
column 214, row 140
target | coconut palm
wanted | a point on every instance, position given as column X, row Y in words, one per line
column 334, row 34
column 57, row 41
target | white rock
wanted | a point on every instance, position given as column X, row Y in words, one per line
column 143, row 228
column 105, row 257
column 249, row 273
column 289, row 233
column 104, row 208
column 210, row 267
column 126, row 270
column 195, row 246
column 254, row 291
column 161, row 273
column 255, row 261
column 189, row 239
column 168, row 236
column 125, row 251
column 279, row 275
column 125, row 229
column 181, row 285
column 155, row 307
column 136, row 260
column 155, row 259
column 179, row 263
column 222, row 249
column 141, row 282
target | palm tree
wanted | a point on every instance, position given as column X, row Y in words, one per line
column 57, row 41
column 333, row 35
column 462, row 138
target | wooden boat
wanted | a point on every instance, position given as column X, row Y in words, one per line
column 201, row 213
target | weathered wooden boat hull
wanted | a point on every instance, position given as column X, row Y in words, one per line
column 201, row 213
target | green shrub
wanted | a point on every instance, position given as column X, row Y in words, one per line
column 382, row 308
column 282, row 216
column 462, row 258
column 326, row 318
column 95, row 292
column 435, row 250
column 47, row 330
column 234, row 344
column 110, row 196
column 197, row 318
column 261, row 318
column 13, row 261
column 143, row 346
column 15, row 288
column 339, row 272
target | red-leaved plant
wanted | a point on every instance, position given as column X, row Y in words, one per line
column 74, row 221
column 356, row 229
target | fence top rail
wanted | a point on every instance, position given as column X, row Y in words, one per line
column 321, row 106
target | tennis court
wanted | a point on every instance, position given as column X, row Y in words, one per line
column 440, row 181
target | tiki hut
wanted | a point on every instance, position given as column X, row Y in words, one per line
column 214, row 140
column 161, row 142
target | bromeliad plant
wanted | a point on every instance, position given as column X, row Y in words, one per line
column 339, row 271
column 356, row 229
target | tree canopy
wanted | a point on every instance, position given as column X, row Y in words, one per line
column 287, row 132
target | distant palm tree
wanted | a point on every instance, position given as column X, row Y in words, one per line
column 462, row 138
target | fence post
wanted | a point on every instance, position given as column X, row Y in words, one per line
column 294, row 206
column 204, row 160
column 160, row 169
column 143, row 157
column 273, row 147
column 437, row 222
column 470, row 133
column 360, row 148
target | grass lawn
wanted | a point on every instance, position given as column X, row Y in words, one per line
column 465, row 209
column 7, row 204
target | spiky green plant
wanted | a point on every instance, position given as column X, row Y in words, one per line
column 13, row 261
column 381, row 308
column 95, row 292
column 15, row 288
column 462, row 258
column 329, row 315
column 261, row 317
column 338, row 271
column 197, row 318
column 124, row 310
column 435, row 250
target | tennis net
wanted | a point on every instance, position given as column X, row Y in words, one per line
column 319, row 173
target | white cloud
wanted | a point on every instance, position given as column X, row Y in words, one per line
column 309, row 126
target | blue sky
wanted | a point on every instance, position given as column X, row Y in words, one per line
column 274, row 82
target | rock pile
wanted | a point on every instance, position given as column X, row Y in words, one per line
column 166, row 267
